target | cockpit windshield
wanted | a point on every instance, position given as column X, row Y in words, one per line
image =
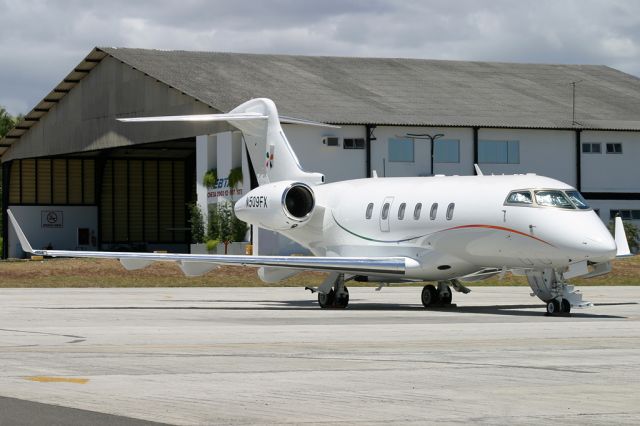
column 577, row 199
column 553, row 199
column 547, row 198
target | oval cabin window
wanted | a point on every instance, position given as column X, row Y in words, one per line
column 385, row 211
column 401, row 210
column 369, row 212
column 434, row 211
column 450, row 211
column 416, row 211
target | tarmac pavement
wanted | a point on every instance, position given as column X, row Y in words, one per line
column 271, row 356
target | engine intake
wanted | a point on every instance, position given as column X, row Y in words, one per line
column 298, row 201
column 277, row 206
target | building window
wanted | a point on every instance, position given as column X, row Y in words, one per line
column 369, row 211
column 401, row 150
column 614, row 148
column 58, row 181
column 625, row 214
column 416, row 211
column 499, row 152
column 592, row 148
column 434, row 211
column 401, row 210
column 450, row 211
column 446, row 151
column 353, row 143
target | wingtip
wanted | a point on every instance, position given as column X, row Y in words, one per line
column 620, row 237
column 26, row 247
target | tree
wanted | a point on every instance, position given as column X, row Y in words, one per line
column 7, row 122
column 197, row 224
column 224, row 226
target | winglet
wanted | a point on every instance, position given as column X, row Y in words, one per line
column 23, row 239
column 621, row 239
column 478, row 171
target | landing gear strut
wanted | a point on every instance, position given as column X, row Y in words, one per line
column 333, row 293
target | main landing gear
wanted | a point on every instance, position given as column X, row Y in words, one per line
column 441, row 296
column 555, row 307
column 333, row 292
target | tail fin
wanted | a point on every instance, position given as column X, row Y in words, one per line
column 271, row 154
column 26, row 247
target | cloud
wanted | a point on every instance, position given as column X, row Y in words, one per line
column 41, row 41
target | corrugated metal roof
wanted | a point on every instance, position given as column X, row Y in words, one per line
column 385, row 91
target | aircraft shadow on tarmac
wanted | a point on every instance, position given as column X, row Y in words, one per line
column 288, row 305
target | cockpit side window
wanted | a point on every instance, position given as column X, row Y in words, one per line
column 520, row 197
column 553, row 199
column 577, row 200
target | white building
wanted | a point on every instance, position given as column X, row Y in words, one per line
column 126, row 186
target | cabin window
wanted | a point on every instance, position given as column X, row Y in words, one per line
column 450, row 211
column 369, row 211
column 520, row 197
column 434, row 211
column 416, row 211
column 553, row 199
column 385, row 211
column 401, row 210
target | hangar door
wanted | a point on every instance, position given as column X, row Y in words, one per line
column 144, row 201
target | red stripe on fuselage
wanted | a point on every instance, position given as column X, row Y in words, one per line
column 499, row 228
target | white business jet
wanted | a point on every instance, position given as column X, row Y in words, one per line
column 444, row 229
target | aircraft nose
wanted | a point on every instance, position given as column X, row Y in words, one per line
column 600, row 248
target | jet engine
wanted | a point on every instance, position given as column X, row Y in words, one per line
column 278, row 206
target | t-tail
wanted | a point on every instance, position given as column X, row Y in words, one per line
column 271, row 154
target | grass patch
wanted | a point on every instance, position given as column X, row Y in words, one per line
column 82, row 273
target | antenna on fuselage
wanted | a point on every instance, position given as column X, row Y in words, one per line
column 478, row 171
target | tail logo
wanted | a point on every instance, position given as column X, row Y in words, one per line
column 269, row 163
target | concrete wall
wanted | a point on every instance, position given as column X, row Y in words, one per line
column 612, row 172
column 41, row 234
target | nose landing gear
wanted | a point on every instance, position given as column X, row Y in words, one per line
column 551, row 287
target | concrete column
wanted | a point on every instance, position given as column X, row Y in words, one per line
column 206, row 158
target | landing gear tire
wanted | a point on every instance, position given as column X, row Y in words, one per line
column 342, row 300
column 326, row 300
column 565, row 306
column 446, row 298
column 553, row 307
column 429, row 295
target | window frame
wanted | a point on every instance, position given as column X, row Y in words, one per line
column 384, row 213
column 450, row 209
column 397, row 159
column 613, row 145
column 401, row 210
column 508, row 145
column 590, row 145
column 441, row 142
column 433, row 213
column 416, row 211
column 369, row 211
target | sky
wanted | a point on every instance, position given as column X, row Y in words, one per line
column 42, row 40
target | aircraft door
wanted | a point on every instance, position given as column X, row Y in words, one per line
column 385, row 214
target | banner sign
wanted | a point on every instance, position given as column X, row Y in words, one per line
column 222, row 190
column 51, row 219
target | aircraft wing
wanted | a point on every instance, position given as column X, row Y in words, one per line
column 197, row 264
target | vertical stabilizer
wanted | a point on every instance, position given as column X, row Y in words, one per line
column 271, row 154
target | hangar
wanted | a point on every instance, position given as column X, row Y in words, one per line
column 82, row 180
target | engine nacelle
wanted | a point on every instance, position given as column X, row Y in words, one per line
column 278, row 206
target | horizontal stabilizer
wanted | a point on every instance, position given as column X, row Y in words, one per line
column 234, row 116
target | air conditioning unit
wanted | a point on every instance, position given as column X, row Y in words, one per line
column 330, row 141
